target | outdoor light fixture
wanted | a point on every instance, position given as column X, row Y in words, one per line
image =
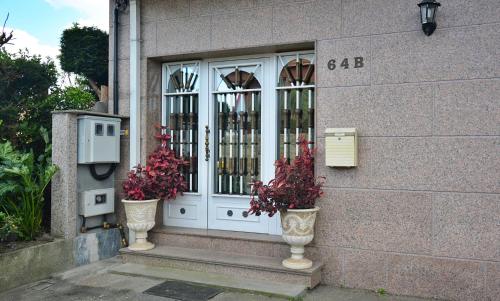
column 428, row 9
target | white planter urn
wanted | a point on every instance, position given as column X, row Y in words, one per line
column 298, row 231
column 140, row 219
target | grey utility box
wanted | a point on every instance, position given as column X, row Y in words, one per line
column 97, row 202
column 98, row 139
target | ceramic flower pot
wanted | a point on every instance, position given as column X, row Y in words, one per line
column 298, row 231
column 140, row 219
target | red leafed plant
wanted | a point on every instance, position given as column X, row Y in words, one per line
column 161, row 178
column 294, row 185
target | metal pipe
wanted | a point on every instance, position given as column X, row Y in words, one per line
column 115, row 60
column 298, row 69
column 231, row 162
column 298, row 121
column 173, row 115
column 295, row 87
column 228, row 83
column 310, row 111
column 242, row 153
column 193, row 82
column 253, row 115
column 181, row 116
column 286, row 125
column 135, row 83
column 249, row 79
column 237, row 77
column 236, row 91
column 190, row 141
column 172, row 123
column 180, row 93
column 220, row 165
column 309, row 73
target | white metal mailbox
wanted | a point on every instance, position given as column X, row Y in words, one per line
column 97, row 202
column 341, row 147
column 98, row 139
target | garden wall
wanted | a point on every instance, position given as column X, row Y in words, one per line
column 41, row 261
column 35, row 263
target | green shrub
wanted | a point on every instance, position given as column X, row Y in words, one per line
column 28, row 93
column 23, row 179
column 25, row 82
column 9, row 226
column 71, row 98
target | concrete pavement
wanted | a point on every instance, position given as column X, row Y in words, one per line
column 95, row 283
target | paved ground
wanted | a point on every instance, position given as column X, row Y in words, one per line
column 93, row 282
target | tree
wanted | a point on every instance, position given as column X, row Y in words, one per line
column 84, row 51
column 28, row 95
column 25, row 83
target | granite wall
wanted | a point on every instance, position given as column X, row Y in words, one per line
column 420, row 215
column 41, row 261
column 73, row 247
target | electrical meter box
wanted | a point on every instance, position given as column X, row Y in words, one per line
column 98, row 139
column 97, row 202
column 341, row 147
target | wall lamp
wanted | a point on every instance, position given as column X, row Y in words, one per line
column 428, row 9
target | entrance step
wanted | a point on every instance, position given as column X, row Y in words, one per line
column 261, row 268
column 212, row 279
column 254, row 244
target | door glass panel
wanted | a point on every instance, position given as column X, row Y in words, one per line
column 237, row 106
column 295, row 92
column 182, row 116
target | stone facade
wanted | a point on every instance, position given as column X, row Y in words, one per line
column 420, row 214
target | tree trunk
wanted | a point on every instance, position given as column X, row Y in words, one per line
column 95, row 87
column 104, row 93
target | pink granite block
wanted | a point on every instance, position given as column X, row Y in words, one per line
column 466, row 225
column 364, row 269
column 435, row 277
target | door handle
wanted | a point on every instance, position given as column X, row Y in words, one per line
column 207, row 143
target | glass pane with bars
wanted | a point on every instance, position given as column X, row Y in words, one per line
column 182, row 116
column 237, row 105
column 295, row 92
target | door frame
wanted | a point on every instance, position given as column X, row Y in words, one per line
column 269, row 120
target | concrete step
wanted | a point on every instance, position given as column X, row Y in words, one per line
column 212, row 279
column 217, row 240
column 226, row 263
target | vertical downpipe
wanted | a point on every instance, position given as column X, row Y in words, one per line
column 135, row 93
column 115, row 60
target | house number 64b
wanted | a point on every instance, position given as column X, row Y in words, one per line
column 358, row 63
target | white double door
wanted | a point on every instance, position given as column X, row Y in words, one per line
column 236, row 143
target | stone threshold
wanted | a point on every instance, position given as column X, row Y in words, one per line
column 223, row 234
column 269, row 288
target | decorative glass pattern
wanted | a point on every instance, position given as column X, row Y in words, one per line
column 237, row 101
column 182, row 116
column 295, row 91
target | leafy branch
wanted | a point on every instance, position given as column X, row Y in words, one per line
column 5, row 37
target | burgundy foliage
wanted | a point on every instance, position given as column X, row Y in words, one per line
column 161, row 178
column 294, row 185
